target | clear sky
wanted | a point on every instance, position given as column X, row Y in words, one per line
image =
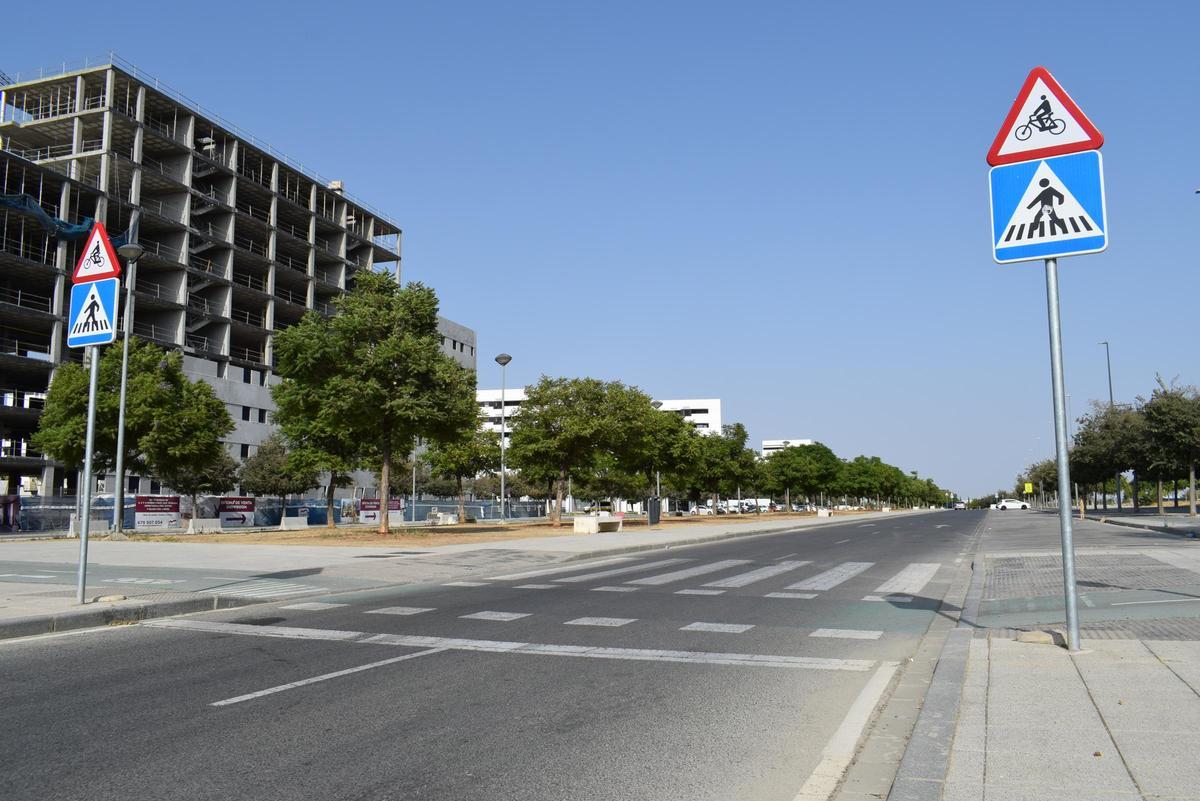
column 784, row 205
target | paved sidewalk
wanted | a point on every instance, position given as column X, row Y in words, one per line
column 37, row 577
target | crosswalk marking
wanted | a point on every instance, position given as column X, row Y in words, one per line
column 538, row 587
column 399, row 610
column 892, row 599
column 847, row 634
column 832, row 577
column 614, row 589
column 699, row 592
column 909, row 581
column 312, row 606
column 1078, row 223
column 601, row 621
column 562, row 568
column 721, row 628
column 622, row 570
column 261, row 589
column 800, row 595
column 689, row 572
column 742, row 579
column 500, row 617
column 465, row 584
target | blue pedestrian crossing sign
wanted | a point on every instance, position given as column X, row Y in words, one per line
column 93, row 319
column 1047, row 208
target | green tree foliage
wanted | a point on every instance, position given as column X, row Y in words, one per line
column 802, row 470
column 1173, row 422
column 271, row 471
column 464, row 458
column 185, row 450
column 213, row 476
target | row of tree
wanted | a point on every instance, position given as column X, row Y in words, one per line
column 1156, row 439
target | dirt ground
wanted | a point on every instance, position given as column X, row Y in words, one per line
column 368, row 536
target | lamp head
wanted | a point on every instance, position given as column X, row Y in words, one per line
column 503, row 359
column 130, row 251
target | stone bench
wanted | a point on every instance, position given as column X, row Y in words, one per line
column 590, row 524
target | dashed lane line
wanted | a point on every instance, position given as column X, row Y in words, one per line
column 499, row 617
column 719, row 628
column 399, row 610
column 601, row 621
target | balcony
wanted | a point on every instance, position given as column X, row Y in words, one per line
column 252, row 281
column 257, row 212
column 156, row 333
column 245, row 317
column 248, row 244
column 33, row 246
column 19, row 449
column 298, row 298
column 295, row 264
column 246, row 354
column 166, row 252
column 29, row 349
column 204, row 305
column 25, row 299
column 207, row 265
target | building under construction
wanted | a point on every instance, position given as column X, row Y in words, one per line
column 240, row 242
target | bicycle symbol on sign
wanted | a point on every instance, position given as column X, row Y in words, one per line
column 1042, row 119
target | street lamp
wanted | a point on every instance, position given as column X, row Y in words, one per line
column 657, row 476
column 130, row 252
column 1108, row 361
column 503, row 359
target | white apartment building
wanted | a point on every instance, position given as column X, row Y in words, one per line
column 703, row 414
column 770, row 446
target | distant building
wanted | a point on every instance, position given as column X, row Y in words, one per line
column 770, row 446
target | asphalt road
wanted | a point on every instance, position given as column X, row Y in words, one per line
column 724, row 671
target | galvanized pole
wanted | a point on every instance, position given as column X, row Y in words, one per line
column 119, row 500
column 504, row 447
column 1111, row 404
column 1060, row 441
column 86, row 503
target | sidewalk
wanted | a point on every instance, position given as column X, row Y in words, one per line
column 37, row 579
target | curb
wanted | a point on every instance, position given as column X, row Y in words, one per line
column 34, row 625
column 1189, row 535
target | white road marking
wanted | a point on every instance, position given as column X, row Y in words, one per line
column 465, row 584
column 689, row 572
column 891, row 599
column 911, row 580
column 832, row 577
column 786, row 555
column 722, row 628
column 838, row 752
column 562, row 568
column 942, row 525
column 261, row 589
column 495, row 646
column 800, row 595
column 501, row 617
column 867, row 525
column 399, row 610
column 141, row 581
column 847, row 634
column 622, row 570
column 1171, row 601
column 313, row 606
column 539, row 586
column 1088, row 602
column 841, row 542
column 21, row 575
column 742, row 579
column 324, row 677
column 614, row 589
column 699, row 592
column 601, row 621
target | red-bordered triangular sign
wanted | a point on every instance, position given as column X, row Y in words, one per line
column 97, row 260
column 1044, row 121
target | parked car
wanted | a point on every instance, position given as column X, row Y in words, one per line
column 959, row 505
column 1011, row 503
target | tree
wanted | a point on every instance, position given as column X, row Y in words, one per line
column 185, row 450
column 464, row 458
column 212, row 477
column 154, row 379
column 271, row 471
column 712, row 464
column 1173, row 420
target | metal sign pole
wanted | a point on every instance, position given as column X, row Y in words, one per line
column 93, row 354
column 1060, row 441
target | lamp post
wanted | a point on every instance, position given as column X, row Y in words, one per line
column 503, row 359
column 657, row 476
column 130, row 252
column 1111, row 405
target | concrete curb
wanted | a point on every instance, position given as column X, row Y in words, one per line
column 1191, row 535
column 86, row 618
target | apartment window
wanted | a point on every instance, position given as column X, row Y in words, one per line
column 246, row 413
column 246, row 375
column 262, row 415
column 245, row 451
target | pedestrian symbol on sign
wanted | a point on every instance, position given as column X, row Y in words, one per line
column 93, row 320
column 1045, row 203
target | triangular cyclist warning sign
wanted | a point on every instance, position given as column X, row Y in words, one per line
column 93, row 316
column 97, row 260
column 1048, row 212
column 1044, row 121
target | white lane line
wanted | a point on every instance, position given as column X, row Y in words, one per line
column 689, row 572
column 399, row 610
column 465, row 584
column 563, row 568
column 847, row 634
column 324, row 677
column 911, row 580
column 22, row 575
column 786, row 555
column 601, row 621
column 500, row 617
column 841, row 542
column 800, row 595
column 1171, row 601
column 866, row 525
column 622, row 570
column 891, row 599
column 614, row 589
column 832, row 577
column 721, row 628
column 742, row 579
column 313, row 606
column 838, row 752
column 699, row 592
column 498, row 646
column 539, row 587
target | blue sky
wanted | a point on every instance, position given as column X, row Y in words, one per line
column 781, row 205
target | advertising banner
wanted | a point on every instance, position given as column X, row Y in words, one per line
column 369, row 510
column 152, row 512
column 236, row 512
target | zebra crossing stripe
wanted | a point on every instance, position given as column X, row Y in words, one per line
column 680, row 575
column 742, row 579
column 262, row 589
column 909, row 581
column 619, row 571
column 832, row 577
column 847, row 634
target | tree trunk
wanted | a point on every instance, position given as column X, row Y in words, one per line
column 329, row 493
column 1160, row 497
column 282, row 510
column 1175, row 492
column 462, row 502
column 1192, row 489
column 556, row 514
column 385, row 494
column 1136, row 500
column 1104, row 492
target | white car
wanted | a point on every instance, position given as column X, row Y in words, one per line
column 1011, row 503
